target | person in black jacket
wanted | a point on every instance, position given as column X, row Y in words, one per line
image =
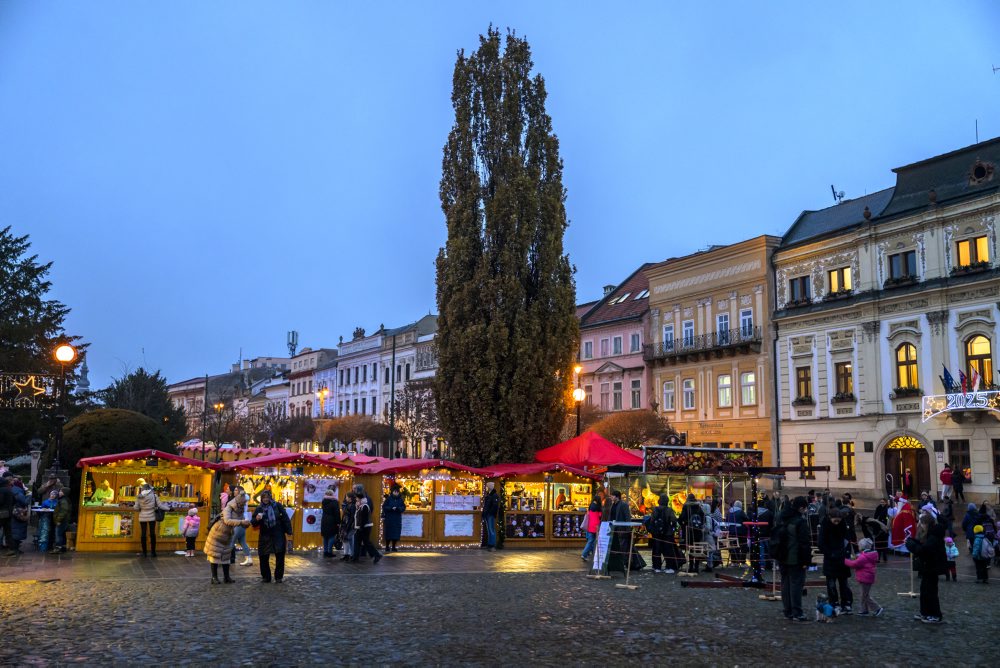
column 621, row 536
column 272, row 520
column 835, row 545
column 662, row 527
column 692, row 524
column 329, row 525
column 930, row 561
column 363, row 524
column 491, row 508
column 7, row 515
column 792, row 549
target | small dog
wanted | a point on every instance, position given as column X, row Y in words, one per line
column 824, row 611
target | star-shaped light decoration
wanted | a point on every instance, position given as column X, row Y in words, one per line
column 29, row 388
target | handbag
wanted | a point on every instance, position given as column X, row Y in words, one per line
column 20, row 514
column 158, row 513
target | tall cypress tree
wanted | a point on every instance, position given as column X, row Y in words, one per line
column 507, row 330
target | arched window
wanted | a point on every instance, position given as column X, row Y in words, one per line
column 979, row 356
column 906, row 366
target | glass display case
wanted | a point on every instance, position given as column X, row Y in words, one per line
column 459, row 494
column 525, row 496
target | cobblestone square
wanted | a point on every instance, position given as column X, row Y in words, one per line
column 461, row 607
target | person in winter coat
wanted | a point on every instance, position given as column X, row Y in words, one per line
column 981, row 561
column 7, row 515
column 958, row 484
column 662, row 527
column 491, row 508
column 692, row 525
column 621, row 537
column 272, row 520
column 593, row 526
column 931, row 561
column 147, row 502
column 864, row 571
column 347, row 529
column 219, row 544
column 363, row 527
column 392, row 518
column 45, row 534
column 735, row 519
column 945, row 477
column 190, row 530
column 791, row 547
column 329, row 525
column 968, row 523
column 878, row 532
column 834, row 545
column 60, row 520
column 18, row 527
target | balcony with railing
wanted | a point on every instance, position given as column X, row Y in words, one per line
column 731, row 341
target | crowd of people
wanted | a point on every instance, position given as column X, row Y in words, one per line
column 15, row 502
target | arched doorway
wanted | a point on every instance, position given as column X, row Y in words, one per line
column 907, row 454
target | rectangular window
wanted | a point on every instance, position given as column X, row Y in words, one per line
column 668, row 337
column 605, row 397
column 972, row 251
column 903, row 265
column 633, row 343
column 364, row 404
column 746, row 323
column 355, row 377
column 605, row 347
column 636, row 394
column 807, row 457
column 589, row 391
column 617, row 396
column 845, row 457
column 845, row 378
column 340, row 408
column 355, row 406
column 996, row 460
column 840, row 280
column 958, row 454
column 798, row 289
column 310, row 387
column 588, row 350
column 373, row 405
column 687, row 329
column 688, row 390
column 616, row 348
column 364, row 374
column 668, row 395
column 750, row 445
column 748, row 388
column 803, row 382
column 374, row 372
column 725, row 391
column 722, row 328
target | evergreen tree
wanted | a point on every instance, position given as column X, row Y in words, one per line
column 507, row 330
column 146, row 393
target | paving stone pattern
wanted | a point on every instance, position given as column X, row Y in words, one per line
column 453, row 608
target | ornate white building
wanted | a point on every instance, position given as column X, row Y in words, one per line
column 875, row 298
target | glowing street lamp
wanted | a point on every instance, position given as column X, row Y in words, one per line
column 322, row 394
column 64, row 354
column 578, row 397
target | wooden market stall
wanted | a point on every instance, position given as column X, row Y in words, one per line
column 443, row 499
column 545, row 504
column 297, row 480
column 107, row 520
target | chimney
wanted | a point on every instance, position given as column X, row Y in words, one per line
column 608, row 289
column 235, row 367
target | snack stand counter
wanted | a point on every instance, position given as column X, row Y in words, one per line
column 443, row 499
column 297, row 480
column 544, row 504
column 108, row 521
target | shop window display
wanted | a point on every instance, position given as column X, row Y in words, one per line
column 568, row 496
column 525, row 525
column 461, row 494
column 566, row 525
column 526, row 496
column 418, row 495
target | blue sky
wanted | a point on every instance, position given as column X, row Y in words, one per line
column 208, row 176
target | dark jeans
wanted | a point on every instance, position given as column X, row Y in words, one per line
column 189, row 542
column 793, row 578
column 265, row 566
column 959, row 494
column 982, row 569
column 363, row 544
column 588, row 547
column 151, row 526
column 665, row 553
column 7, row 539
column 61, row 535
column 328, row 542
column 930, row 606
column 839, row 592
column 491, row 530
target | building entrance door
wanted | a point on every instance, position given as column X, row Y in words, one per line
column 907, row 463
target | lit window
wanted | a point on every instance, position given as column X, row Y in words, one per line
column 845, row 378
column 979, row 358
column 906, row 366
column 973, row 251
column 846, row 459
column 840, row 280
column 803, row 382
column 807, row 457
column 725, row 391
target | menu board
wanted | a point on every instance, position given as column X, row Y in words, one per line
column 112, row 525
column 413, row 526
column 311, row 520
column 603, row 543
column 172, row 525
column 456, row 502
column 458, row 525
column 525, row 526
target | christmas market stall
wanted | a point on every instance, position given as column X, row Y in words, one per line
column 544, row 504
column 297, row 480
column 109, row 484
column 443, row 499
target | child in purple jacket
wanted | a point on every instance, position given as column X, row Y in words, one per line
column 190, row 529
column 864, row 572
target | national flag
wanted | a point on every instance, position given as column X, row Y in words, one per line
column 975, row 379
column 963, row 380
column 948, row 380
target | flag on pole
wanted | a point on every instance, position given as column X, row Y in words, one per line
column 963, row 380
column 948, row 380
column 975, row 379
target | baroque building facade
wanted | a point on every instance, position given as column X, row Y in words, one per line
column 879, row 302
column 710, row 351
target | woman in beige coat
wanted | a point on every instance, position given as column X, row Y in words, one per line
column 220, row 537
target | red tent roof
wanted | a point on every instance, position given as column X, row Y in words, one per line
column 588, row 449
column 503, row 470
column 101, row 460
column 390, row 466
column 285, row 458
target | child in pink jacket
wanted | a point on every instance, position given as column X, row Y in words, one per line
column 864, row 573
column 192, row 525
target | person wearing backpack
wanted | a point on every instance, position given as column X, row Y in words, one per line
column 692, row 521
column 736, row 520
column 982, row 554
column 662, row 524
column 791, row 547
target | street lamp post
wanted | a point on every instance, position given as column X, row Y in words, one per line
column 578, row 395
column 64, row 354
column 322, row 395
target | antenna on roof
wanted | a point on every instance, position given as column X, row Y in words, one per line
column 996, row 69
column 838, row 197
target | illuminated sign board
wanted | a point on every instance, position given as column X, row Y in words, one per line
column 934, row 405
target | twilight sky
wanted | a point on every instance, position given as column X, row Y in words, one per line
column 208, row 176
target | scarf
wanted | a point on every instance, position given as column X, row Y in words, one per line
column 269, row 519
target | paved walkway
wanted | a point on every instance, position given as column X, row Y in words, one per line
column 127, row 566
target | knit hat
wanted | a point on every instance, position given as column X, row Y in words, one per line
column 866, row 544
column 192, row 511
column 977, row 529
column 949, row 540
column 738, row 505
column 972, row 506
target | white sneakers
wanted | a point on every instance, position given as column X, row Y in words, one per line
column 247, row 562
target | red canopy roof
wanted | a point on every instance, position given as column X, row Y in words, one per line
column 101, row 460
column 390, row 466
column 588, row 449
column 285, row 458
column 503, row 470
